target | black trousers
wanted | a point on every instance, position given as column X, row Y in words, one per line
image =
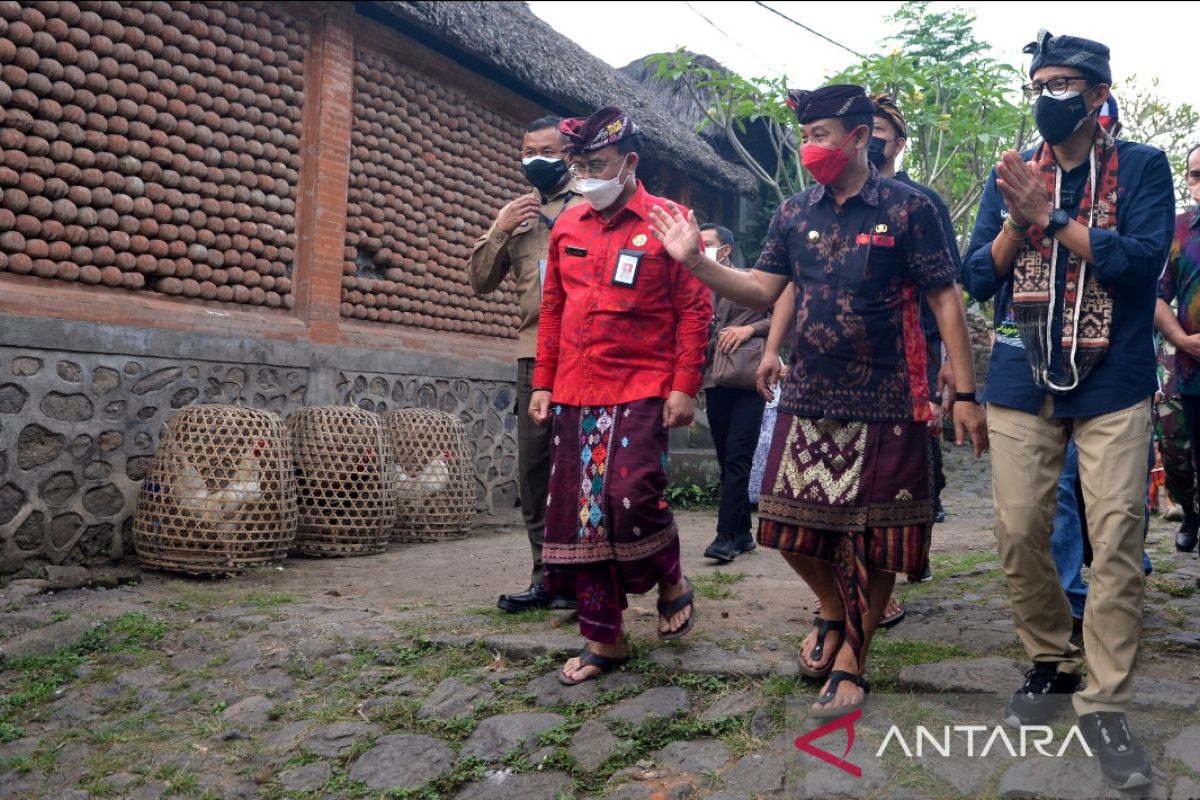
column 533, row 466
column 734, row 416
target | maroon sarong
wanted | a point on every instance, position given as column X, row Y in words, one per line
column 608, row 529
column 856, row 494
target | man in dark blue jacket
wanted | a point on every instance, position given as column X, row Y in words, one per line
column 1070, row 239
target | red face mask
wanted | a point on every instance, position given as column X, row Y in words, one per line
column 823, row 163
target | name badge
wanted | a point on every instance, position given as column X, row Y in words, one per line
column 576, row 251
column 625, row 273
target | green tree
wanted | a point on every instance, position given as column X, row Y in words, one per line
column 1148, row 118
column 963, row 107
column 733, row 105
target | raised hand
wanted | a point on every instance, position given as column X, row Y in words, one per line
column 679, row 235
column 523, row 209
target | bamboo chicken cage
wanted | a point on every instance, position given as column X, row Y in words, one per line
column 220, row 495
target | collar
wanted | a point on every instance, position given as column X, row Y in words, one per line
column 869, row 193
column 561, row 191
column 636, row 205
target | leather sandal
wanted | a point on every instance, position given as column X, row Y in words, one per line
column 669, row 608
column 589, row 658
column 888, row 620
column 817, row 654
column 827, row 696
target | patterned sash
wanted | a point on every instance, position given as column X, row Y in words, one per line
column 1087, row 305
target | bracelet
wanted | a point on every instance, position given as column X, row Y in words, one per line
column 540, row 389
column 1018, row 228
column 965, row 397
column 1012, row 236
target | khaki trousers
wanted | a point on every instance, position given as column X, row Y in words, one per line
column 1027, row 457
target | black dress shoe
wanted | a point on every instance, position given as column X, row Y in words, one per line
column 560, row 603
column 533, row 598
column 722, row 549
column 1185, row 541
column 746, row 543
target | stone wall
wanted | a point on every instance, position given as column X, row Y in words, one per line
column 79, row 422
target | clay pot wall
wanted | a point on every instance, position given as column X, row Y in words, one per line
column 430, row 167
column 152, row 146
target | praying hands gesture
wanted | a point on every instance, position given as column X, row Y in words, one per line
column 1023, row 190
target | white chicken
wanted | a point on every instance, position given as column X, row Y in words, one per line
column 434, row 476
column 216, row 505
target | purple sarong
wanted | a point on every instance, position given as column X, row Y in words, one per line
column 856, row 494
column 608, row 529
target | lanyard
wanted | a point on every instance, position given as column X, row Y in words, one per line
column 550, row 222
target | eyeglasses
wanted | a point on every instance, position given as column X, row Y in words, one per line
column 1054, row 86
column 594, row 167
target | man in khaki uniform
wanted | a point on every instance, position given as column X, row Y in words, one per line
column 518, row 241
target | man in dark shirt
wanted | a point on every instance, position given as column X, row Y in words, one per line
column 1069, row 240
column 846, row 493
column 887, row 143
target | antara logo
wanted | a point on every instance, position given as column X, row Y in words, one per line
column 1038, row 737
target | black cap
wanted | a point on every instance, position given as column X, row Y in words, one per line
column 839, row 100
column 1090, row 58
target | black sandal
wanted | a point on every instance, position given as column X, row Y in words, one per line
column 589, row 658
column 669, row 608
column 817, row 654
column 836, row 677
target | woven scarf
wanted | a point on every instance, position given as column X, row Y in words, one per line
column 1087, row 306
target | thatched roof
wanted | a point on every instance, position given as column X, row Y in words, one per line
column 511, row 45
column 675, row 99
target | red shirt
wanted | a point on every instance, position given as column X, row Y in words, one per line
column 602, row 341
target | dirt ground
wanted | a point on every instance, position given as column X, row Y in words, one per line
column 449, row 577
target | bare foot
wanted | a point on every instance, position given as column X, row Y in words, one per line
column 679, row 618
column 892, row 609
column 572, row 672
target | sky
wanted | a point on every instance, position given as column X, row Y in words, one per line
column 1151, row 39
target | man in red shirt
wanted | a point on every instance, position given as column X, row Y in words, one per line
column 620, row 356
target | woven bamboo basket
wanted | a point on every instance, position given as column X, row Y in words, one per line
column 220, row 495
column 344, row 484
column 435, row 476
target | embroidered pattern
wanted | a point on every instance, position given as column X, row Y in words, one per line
column 594, row 424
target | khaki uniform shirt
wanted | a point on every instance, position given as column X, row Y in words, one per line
column 524, row 252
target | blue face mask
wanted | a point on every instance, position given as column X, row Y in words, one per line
column 1058, row 117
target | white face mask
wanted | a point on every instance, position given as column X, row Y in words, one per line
column 601, row 194
column 711, row 252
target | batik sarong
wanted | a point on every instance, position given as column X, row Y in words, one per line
column 608, row 529
column 855, row 494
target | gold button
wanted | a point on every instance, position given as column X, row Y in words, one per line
column 881, row 228
column 814, row 236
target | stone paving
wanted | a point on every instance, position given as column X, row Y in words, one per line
column 221, row 689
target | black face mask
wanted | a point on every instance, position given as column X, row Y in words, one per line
column 1057, row 119
column 875, row 151
column 544, row 173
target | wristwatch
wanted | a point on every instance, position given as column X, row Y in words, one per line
column 1059, row 219
column 966, row 397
